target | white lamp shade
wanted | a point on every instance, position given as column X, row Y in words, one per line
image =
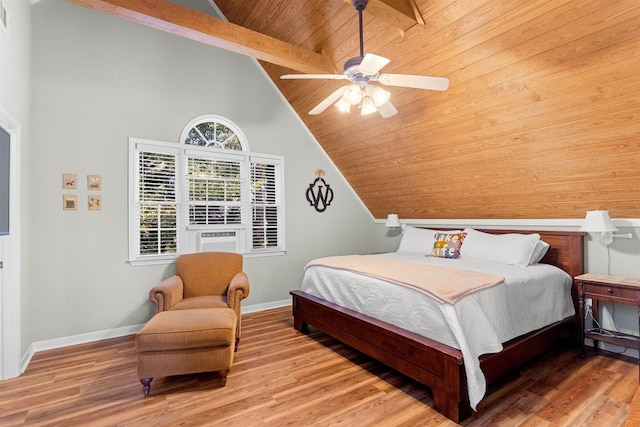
column 379, row 96
column 598, row 222
column 343, row 105
column 392, row 221
column 353, row 94
column 367, row 106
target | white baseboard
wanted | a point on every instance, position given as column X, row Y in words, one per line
column 266, row 306
column 116, row 333
column 74, row 340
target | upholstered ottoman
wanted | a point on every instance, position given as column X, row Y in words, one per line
column 177, row 342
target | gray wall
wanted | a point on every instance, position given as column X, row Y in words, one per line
column 97, row 80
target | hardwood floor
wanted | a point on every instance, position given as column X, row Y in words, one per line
column 282, row 377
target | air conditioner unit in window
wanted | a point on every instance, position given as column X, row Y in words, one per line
column 218, row 241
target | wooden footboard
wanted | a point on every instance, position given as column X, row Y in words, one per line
column 431, row 363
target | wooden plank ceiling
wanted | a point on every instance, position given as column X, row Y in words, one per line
column 541, row 119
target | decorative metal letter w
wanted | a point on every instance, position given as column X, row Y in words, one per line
column 319, row 193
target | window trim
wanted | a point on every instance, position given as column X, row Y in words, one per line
column 137, row 145
column 279, row 196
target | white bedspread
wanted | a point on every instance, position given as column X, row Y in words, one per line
column 530, row 298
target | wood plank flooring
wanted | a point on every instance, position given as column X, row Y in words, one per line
column 281, row 377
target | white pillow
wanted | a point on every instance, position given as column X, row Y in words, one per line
column 513, row 249
column 539, row 252
column 419, row 240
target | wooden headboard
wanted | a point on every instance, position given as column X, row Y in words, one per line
column 566, row 251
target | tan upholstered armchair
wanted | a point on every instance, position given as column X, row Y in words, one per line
column 204, row 280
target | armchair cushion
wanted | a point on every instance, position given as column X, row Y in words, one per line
column 201, row 302
column 187, row 329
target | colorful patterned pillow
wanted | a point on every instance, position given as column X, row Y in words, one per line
column 447, row 245
column 419, row 241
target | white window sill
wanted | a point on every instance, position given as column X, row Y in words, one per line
column 172, row 259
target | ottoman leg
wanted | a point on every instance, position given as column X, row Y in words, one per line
column 146, row 385
column 223, row 377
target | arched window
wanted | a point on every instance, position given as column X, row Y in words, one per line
column 207, row 193
column 214, row 132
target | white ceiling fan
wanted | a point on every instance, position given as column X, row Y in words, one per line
column 363, row 70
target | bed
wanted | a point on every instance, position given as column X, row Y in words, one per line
column 437, row 365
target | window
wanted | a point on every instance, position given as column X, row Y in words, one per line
column 157, row 206
column 264, row 204
column 210, row 182
column 214, row 187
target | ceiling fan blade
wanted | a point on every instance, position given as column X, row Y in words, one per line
column 387, row 110
column 313, row 76
column 328, row 100
column 418, row 82
column 371, row 64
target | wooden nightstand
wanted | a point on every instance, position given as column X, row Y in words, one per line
column 619, row 290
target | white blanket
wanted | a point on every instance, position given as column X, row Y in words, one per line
column 530, row 298
column 444, row 284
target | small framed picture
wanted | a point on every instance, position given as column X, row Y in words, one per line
column 69, row 181
column 69, row 202
column 94, row 203
column 94, row 182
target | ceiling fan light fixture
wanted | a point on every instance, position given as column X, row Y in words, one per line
column 343, row 105
column 353, row 94
column 367, row 106
column 379, row 95
column 363, row 69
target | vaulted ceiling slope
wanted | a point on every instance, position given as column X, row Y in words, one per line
column 541, row 118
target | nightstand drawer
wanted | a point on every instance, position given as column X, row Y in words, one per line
column 630, row 295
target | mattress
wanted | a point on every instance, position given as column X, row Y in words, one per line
column 529, row 298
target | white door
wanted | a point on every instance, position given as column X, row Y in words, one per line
column 10, row 347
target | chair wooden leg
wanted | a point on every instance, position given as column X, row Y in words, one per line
column 223, row 377
column 237, row 341
column 146, row 385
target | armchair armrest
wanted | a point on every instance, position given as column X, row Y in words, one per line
column 167, row 293
column 237, row 291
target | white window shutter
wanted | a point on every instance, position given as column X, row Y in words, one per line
column 266, row 204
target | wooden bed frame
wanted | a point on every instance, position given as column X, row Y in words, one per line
column 433, row 364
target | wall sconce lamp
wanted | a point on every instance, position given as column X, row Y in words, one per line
column 392, row 221
column 599, row 222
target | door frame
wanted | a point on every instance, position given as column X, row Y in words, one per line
column 10, row 278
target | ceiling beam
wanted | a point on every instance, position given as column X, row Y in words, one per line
column 402, row 14
column 182, row 21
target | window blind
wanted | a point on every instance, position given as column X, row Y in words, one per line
column 265, row 207
column 157, row 203
column 214, row 191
